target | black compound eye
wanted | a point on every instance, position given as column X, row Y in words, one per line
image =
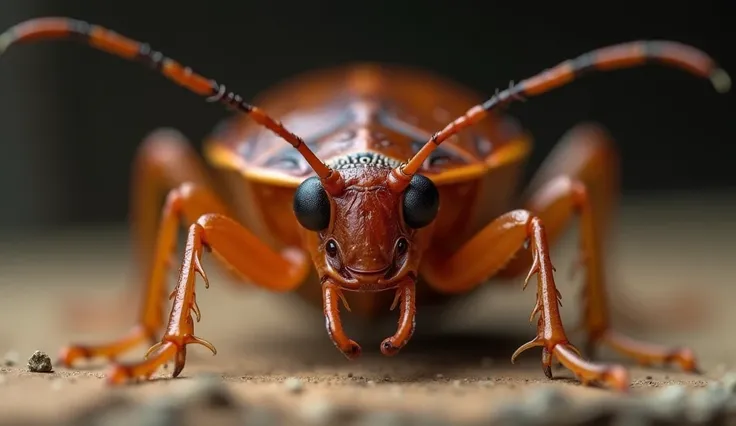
column 421, row 202
column 331, row 248
column 311, row 205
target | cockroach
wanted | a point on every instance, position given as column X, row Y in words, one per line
column 367, row 200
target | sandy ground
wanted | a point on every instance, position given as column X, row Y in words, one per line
column 667, row 253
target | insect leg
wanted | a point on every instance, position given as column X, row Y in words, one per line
column 164, row 161
column 488, row 252
column 581, row 179
column 232, row 244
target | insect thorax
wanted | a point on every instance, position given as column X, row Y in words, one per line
column 363, row 159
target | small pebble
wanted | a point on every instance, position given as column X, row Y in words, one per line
column 649, row 377
column 39, row 362
column 371, row 383
column 439, row 376
column 294, row 385
column 11, row 358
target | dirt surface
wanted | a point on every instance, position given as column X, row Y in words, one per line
column 673, row 266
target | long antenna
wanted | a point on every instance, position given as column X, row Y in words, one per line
column 108, row 41
column 624, row 55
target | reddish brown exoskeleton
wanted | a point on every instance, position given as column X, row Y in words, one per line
column 342, row 200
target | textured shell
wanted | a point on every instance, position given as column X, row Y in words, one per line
column 363, row 113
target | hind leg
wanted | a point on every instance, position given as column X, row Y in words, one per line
column 164, row 161
column 580, row 178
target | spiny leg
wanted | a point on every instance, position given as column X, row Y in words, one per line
column 581, row 178
column 236, row 247
column 165, row 160
column 485, row 254
column 183, row 202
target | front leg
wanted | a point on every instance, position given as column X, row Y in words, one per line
column 243, row 253
column 486, row 254
column 580, row 179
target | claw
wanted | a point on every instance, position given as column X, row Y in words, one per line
column 195, row 308
column 179, row 361
column 547, row 362
column 533, row 270
column 152, row 349
column 200, row 271
column 536, row 342
column 199, row 341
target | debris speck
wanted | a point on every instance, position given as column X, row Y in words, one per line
column 649, row 377
column 39, row 362
column 439, row 376
column 371, row 383
column 11, row 358
column 294, row 385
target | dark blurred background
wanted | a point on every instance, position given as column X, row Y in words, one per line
column 71, row 117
